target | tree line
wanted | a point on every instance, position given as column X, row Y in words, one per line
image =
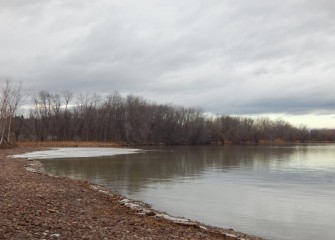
column 131, row 119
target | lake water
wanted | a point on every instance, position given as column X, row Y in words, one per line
column 276, row 192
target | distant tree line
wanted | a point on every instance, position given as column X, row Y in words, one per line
column 132, row 119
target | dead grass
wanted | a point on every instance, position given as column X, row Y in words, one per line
column 122, row 144
column 70, row 144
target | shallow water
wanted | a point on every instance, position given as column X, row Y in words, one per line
column 277, row 192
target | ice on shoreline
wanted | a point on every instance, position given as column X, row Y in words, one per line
column 77, row 152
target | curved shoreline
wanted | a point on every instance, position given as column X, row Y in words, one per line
column 141, row 222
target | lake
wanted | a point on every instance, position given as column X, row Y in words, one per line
column 276, row 192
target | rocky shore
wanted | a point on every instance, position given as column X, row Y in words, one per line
column 34, row 205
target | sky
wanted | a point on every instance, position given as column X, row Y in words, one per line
column 237, row 57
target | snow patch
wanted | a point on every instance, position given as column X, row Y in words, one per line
column 101, row 189
column 173, row 219
column 132, row 206
column 125, row 200
column 77, row 152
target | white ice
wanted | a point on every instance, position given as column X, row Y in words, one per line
column 77, row 152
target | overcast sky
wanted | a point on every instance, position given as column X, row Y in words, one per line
column 226, row 56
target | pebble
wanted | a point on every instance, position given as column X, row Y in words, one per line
column 55, row 235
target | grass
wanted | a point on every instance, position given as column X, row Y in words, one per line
column 69, row 144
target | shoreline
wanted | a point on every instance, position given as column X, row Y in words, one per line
column 51, row 144
column 139, row 220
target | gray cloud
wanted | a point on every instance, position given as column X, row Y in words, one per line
column 224, row 56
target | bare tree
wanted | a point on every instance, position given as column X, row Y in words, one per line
column 10, row 100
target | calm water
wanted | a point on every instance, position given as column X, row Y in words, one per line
column 277, row 192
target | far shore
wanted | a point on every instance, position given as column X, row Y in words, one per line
column 36, row 205
column 125, row 144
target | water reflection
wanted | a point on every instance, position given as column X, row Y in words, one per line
column 281, row 192
column 165, row 164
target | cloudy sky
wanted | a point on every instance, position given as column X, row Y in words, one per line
column 260, row 57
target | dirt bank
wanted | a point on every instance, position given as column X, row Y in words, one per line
column 38, row 206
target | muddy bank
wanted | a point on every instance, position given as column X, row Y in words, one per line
column 37, row 206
